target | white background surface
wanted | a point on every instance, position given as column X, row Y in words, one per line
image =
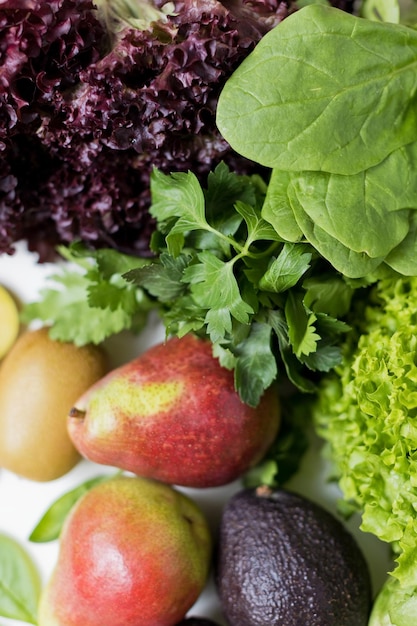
column 22, row 502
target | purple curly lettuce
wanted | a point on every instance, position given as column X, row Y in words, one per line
column 82, row 125
column 43, row 48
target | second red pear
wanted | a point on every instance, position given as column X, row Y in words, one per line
column 173, row 414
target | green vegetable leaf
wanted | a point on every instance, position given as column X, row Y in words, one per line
column 403, row 258
column 395, row 604
column 110, row 263
column 359, row 223
column 258, row 228
column 277, row 208
column 365, row 412
column 20, row 582
column 224, row 190
column 50, row 525
column 295, row 104
column 301, row 329
column 283, row 458
column 327, row 293
column 368, row 212
column 286, row 270
column 232, row 278
column 348, row 262
column 90, row 300
column 324, row 359
column 163, row 280
column 255, row 367
column 291, row 363
column 177, row 195
column 215, row 287
column 381, row 10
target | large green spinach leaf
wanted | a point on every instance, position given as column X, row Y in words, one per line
column 403, row 259
column 356, row 222
column 348, row 262
column 324, row 90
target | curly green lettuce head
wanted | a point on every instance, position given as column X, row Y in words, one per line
column 366, row 411
column 395, row 605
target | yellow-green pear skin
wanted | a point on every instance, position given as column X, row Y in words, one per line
column 133, row 552
column 173, row 414
column 39, row 381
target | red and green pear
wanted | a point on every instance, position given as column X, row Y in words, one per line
column 133, row 552
column 173, row 414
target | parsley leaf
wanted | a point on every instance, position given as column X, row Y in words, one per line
column 286, row 270
column 214, row 287
column 256, row 366
column 301, row 329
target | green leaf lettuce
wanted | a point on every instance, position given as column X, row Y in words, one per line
column 366, row 411
column 395, row 605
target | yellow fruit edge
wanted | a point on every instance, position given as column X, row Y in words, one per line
column 10, row 322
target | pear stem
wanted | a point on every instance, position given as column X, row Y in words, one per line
column 77, row 413
column 263, row 491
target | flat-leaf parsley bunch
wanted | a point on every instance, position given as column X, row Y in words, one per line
column 270, row 308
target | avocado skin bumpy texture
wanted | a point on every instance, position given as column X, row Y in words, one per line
column 284, row 560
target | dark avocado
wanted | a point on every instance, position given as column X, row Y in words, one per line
column 283, row 560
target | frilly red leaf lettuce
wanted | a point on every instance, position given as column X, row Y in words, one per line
column 83, row 123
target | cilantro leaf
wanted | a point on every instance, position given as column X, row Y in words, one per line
column 89, row 302
column 328, row 293
column 224, row 190
column 325, row 358
column 177, row 195
column 242, row 286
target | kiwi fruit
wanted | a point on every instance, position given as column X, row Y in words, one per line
column 40, row 380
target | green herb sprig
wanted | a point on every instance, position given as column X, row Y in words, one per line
column 90, row 300
column 270, row 308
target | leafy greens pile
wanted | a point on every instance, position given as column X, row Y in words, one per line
column 340, row 136
column 271, row 309
column 276, row 270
